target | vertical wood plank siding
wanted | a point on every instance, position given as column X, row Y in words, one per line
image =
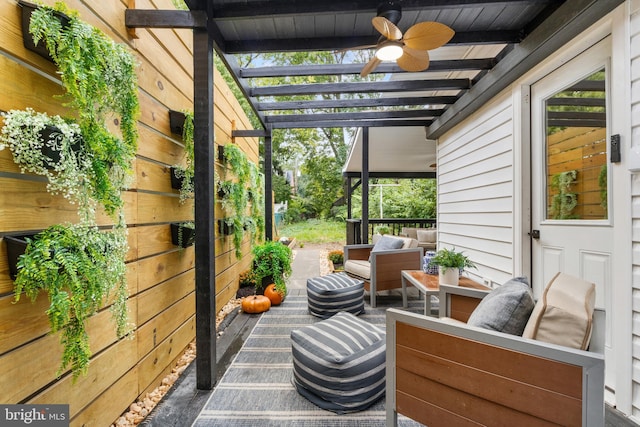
column 160, row 277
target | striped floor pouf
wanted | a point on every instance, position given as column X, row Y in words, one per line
column 330, row 294
column 339, row 363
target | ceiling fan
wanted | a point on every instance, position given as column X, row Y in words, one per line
column 410, row 51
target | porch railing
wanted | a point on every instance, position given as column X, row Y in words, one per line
column 354, row 226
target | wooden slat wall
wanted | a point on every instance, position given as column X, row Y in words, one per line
column 585, row 151
column 427, row 391
column 160, row 277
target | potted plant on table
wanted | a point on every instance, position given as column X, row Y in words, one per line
column 271, row 264
column 450, row 265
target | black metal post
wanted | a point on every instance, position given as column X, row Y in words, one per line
column 268, row 186
column 204, row 209
column 365, row 185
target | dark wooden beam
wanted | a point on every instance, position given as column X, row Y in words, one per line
column 305, row 44
column 344, row 69
column 356, row 103
column 268, row 188
column 250, row 133
column 371, row 87
column 139, row 18
column 364, row 115
column 577, row 102
column 393, row 175
column 231, row 63
column 350, row 124
column 364, row 175
column 205, row 220
column 567, row 22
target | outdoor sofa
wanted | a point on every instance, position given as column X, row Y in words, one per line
column 427, row 237
column 442, row 372
column 379, row 264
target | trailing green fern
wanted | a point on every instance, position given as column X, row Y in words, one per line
column 79, row 268
column 99, row 78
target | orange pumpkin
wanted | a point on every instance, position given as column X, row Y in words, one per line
column 256, row 304
column 274, row 295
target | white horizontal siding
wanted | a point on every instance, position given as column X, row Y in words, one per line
column 634, row 30
column 475, row 190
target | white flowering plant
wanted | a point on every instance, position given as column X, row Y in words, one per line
column 52, row 147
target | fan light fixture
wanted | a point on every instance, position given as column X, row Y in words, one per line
column 390, row 50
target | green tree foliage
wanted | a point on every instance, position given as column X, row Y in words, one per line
column 281, row 189
column 320, row 183
column 411, row 198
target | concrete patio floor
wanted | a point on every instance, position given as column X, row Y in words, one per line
column 183, row 402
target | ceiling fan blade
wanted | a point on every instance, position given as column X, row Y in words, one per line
column 386, row 28
column 413, row 59
column 428, row 35
column 370, row 66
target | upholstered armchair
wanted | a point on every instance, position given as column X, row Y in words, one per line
column 379, row 266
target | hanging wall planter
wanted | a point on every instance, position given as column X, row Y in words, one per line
column 177, row 179
column 224, row 228
column 176, row 121
column 183, row 234
column 41, row 47
column 52, row 133
column 16, row 246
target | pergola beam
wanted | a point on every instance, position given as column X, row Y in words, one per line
column 356, row 103
column 349, row 124
column 370, row 87
column 344, row 69
column 139, row 18
column 332, row 43
column 365, row 115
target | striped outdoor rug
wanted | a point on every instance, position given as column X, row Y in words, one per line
column 257, row 389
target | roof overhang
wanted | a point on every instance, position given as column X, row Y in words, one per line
column 394, row 152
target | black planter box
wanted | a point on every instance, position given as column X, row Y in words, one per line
column 224, row 228
column 188, row 235
column 40, row 48
column 176, row 121
column 53, row 155
column 16, row 245
column 221, row 153
column 176, row 183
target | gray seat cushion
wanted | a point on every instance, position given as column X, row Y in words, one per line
column 339, row 363
column 505, row 309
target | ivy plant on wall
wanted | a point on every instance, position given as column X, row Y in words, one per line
column 186, row 173
column 241, row 196
column 79, row 265
column 564, row 201
column 99, row 78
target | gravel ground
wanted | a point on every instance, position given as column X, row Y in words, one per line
column 139, row 410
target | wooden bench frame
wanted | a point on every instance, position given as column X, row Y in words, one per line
column 442, row 374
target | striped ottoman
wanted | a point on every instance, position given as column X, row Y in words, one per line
column 339, row 363
column 330, row 294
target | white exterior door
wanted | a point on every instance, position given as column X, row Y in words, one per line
column 572, row 197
